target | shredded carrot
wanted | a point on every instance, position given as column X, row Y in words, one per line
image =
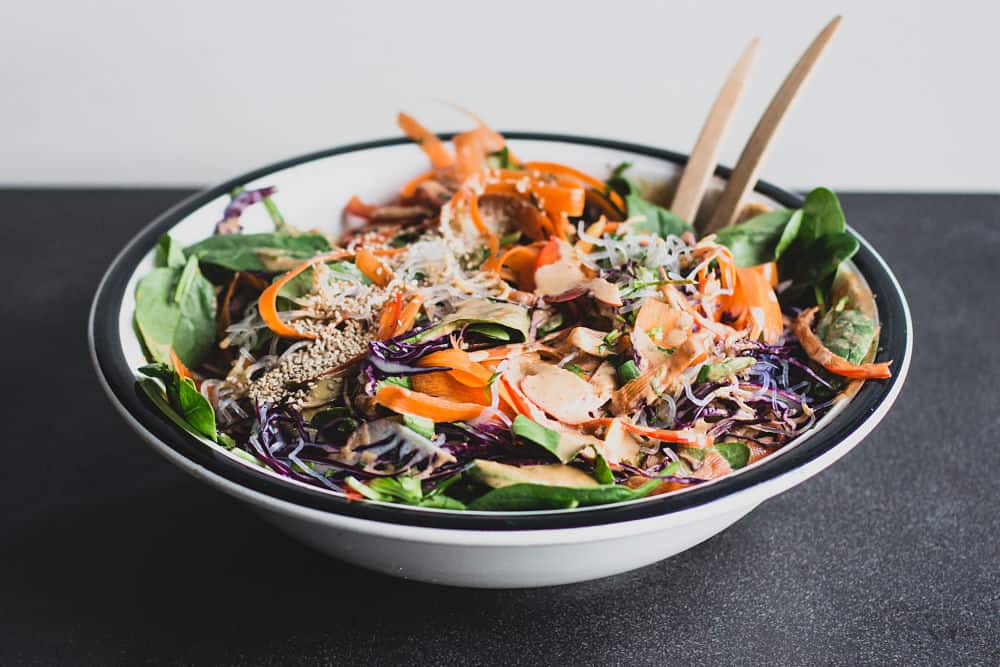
column 443, row 385
column 410, row 187
column 522, row 260
column 563, row 170
column 373, row 268
column 179, row 366
column 492, row 240
column 405, row 401
column 549, row 254
column 389, row 318
column 357, row 207
column 686, row 436
column 267, row 304
column 463, row 368
column 754, row 305
column 429, row 142
column 408, row 315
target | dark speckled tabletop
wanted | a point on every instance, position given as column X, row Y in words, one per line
column 108, row 555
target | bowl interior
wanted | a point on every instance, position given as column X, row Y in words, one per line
column 312, row 192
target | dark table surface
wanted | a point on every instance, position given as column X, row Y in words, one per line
column 109, row 555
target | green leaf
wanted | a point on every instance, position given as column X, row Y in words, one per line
column 736, row 453
column 175, row 309
column 542, row 496
column 602, row 471
column 241, row 252
column 822, row 215
column 168, row 252
column 757, row 240
column 185, row 399
column 398, row 380
column 657, row 220
column 564, row 446
column 847, row 333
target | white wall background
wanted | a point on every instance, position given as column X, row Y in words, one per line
column 130, row 92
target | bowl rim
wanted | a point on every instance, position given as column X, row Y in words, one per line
column 858, row 417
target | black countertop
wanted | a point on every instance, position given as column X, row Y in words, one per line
column 109, row 555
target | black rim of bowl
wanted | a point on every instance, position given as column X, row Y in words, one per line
column 120, row 378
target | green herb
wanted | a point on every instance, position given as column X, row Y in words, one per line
column 602, row 471
column 809, row 245
column 576, row 369
column 242, row 252
column 183, row 398
column 736, row 453
column 543, row 496
column 611, row 339
column 501, row 159
column 846, row 332
column 656, row 219
column 763, row 238
column 628, row 372
column 175, row 309
column 169, row 253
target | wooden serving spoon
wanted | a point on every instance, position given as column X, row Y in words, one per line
column 744, row 175
column 701, row 164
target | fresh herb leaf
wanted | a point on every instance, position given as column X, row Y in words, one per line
column 169, row 253
column 184, row 398
column 242, row 252
column 175, row 309
column 761, row 239
column 657, row 220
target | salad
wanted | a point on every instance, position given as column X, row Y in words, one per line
column 505, row 334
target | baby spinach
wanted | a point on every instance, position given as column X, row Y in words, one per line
column 657, row 220
column 508, row 316
column 169, row 253
column 175, row 309
column 763, row 238
column 543, row 496
column 241, row 252
column 183, row 398
column 846, row 332
column 808, row 244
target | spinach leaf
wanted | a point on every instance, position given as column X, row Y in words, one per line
column 241, row 252
column 406, row 490
column 736, row 453
column 761, row 239
column 183, row 398
column 168, row 252
column 846, row 332
column 175, row 309
column 657, row 220
column 542, row 496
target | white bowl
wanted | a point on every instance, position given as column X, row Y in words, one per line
column 482, row 549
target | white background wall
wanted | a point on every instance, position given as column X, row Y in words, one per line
column 130, row 92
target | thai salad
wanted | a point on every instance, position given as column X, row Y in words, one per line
column 506, row 334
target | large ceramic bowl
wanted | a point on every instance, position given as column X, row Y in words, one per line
column 508, row 549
